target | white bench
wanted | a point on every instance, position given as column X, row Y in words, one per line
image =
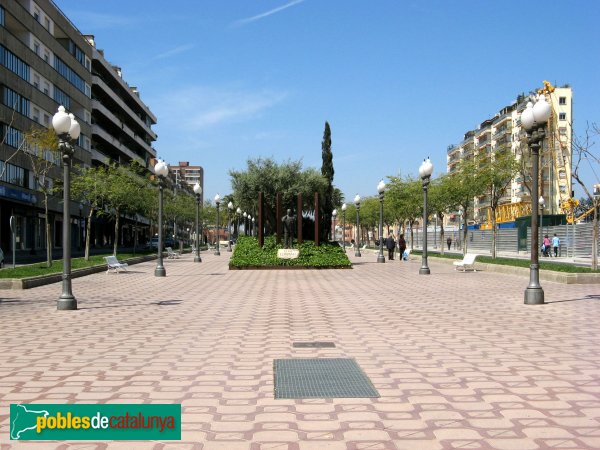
column 467, row 263
column 171, row 254
column 113, row 264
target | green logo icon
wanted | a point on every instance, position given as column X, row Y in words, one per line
column 95, row 422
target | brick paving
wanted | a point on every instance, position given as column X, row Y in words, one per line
column 459, row 361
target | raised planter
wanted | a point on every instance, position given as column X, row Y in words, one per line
column 545, row 275
column 31, row 282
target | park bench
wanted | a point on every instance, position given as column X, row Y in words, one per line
column 467, row 263
column 113, row 264
column 171, row 254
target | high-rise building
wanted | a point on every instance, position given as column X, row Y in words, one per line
column 190, row 175
column 46, row 62
column 503, row 131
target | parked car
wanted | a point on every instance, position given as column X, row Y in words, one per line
column 167, row 242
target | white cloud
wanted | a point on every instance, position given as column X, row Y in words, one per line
column 241, row 22
column 198, row 108
column 174, row 51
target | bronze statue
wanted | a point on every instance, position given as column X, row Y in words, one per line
column 288, row 229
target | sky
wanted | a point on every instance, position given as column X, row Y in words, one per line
column 397, row 80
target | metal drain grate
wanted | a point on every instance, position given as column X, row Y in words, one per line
column 321, row 378
column 313, row 344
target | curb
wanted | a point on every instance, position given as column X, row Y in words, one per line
column 31, row 282
column 545, row 275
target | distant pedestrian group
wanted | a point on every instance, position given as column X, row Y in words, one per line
column 548, row 247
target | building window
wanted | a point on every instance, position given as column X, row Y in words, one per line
column 562, row 131
column 36, row 81
column 562, row 100
column 13, row 137
column 14, row 174
column 15, row 101
column 47, row 56
column 46, row 88
column 69, row 74
column 36, row 15
column 46, row 120
column 36, row 115
column 47, row 23
column 62, row 98
column 13, row 63
column 36, row 47
column 1, row 16
column 562, row 116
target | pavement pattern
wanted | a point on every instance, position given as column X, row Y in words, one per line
column 459, row 361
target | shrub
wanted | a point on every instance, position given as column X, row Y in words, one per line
column 248, row 254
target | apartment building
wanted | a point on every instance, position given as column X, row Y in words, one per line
column 503, row 131
column 46, row 62
column 189, row 175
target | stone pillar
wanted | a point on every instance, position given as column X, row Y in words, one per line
column 261, row 212
column 278, row 217
column 317, row 217
column 299, row 219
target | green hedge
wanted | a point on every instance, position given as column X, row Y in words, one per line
column 248, row 254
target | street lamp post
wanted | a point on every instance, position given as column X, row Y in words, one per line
column 425, row 172
column 344, row 225
column 381, row 190
column 435, row 231
column 534, row 119
column 357, row 204
column 161, row 170
column 67, row 129
column 245, row 214
column 250, row 229
column 217, row 203
column 198, row 192
column 253, row 229
column 229, row 208
column 238, row 214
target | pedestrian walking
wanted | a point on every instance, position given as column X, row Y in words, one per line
column 449, row 242
column 546, row 246
column 555, row 245
column 401, row 246
column 390, row 244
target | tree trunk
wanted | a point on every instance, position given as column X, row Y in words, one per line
column 48, row 236
column 595, row 238
column 465, row 232
column 116, row 240
column 442, row 241
column 494, row 233
column 88, row 229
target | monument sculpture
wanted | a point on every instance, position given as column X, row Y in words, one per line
column 288, row 229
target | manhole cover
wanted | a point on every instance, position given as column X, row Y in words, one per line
column 313, row 344
column 321, row 378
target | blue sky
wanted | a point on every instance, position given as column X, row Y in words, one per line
column 397, row 80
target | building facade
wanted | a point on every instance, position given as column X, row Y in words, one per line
column 46, row 62
column 502, row 132
column 189, row 175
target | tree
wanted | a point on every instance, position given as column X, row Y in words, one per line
column 495, row 174
column 270, row 178
column 582, row 151
column 41, row 148
column 464, row 185
column 327, row 172
column 405, row 197
column 440, row 201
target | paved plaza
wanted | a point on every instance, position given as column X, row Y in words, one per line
column 457, row 358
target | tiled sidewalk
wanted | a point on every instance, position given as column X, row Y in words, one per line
column 459, row 361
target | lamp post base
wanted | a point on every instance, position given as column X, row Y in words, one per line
column 66, row 303
column 534, row 296
column 160, row 272
column 357, row 254
column 197, row 259
column 380, row 258
column 424, row 271
column 217, row 253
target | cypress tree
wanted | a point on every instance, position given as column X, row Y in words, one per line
column 327, row 172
